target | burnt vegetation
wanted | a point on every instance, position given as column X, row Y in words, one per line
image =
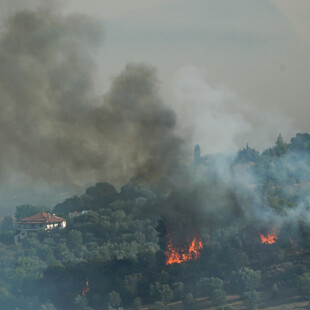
column 114, row 255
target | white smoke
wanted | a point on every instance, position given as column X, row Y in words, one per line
column 219, row 120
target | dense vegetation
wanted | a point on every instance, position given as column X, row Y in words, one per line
column 114, row 253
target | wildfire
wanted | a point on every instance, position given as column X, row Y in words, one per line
column 191, row 251
column 270, row 238
column 85, row 289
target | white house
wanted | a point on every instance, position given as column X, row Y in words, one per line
column 42, row 220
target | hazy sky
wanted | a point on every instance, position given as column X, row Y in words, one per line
column 259, row 49
column 234, row 71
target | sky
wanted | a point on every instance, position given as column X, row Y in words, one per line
column 258, row 49
column 233, row 71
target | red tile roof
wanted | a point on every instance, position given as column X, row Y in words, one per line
column 42, row 217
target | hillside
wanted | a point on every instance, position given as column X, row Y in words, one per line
column 222, row 231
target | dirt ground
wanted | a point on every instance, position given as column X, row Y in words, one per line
column 236, row 302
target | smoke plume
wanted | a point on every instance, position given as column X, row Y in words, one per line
column 53, row 129
column 224, row 122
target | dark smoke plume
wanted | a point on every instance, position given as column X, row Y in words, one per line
column 51, row 127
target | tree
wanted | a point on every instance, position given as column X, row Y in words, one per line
column 131, row 282
column 28, row 268
column 81, row 303
column 189, row 302
column 161, row 292
column 278, row 150
column 166, row 293
column 248, row 279
column 23, row 211
column 4, row 294
column 304, row 284
column 114, row 299
column 7, row 231
column 300, row 143
column 197, row 156
column 7, row 224
column 74, row 240
column 159, row 305
column 247, row 154
column 275, row 290
column 137, row 303
column 206, row 286
column 218, row 297
column 48, row 306
column 281, row 146
column 178, row 290
column 251, row 299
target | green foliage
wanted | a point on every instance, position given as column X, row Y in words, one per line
column 207, row 286
column 275, row 290
column 4, row 295
column 226, row 307
column 164, row 277
column 29, row 268
column 74, row 240
column 300, row 143
column 96, row 197
column 218, row 297
column 132, row 281
column 161, row 292
column 281, row 147
column 178, row 290
column 48, row 306
column 189, row 302
column 101, row 191
column 251, row 299
column 247, row 155
column 80, row 303
column 304, row 284
column 7, row 238
column 23, row 211
column 247, row 279
column 159, row 306
column 6, row 224
column 118, row 247
column 114, row 299
column 278, row 150
column 137, row 304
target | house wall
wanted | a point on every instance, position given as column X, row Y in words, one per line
column 22, row 230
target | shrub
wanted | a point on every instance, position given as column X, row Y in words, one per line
column 159, row 305
column 304, row 284
column 218, row 297
column 251, row 299
column 114, row 299
column 189, row 302
column 206, row 286
column 137, row 303
column 275, row 290
column 247, row 279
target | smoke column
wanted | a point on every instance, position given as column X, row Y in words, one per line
column 53, row 128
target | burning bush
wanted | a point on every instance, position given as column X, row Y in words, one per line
column 190, row 251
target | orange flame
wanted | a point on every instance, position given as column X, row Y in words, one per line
column 270, row 238
column 191, row 251
column 86, row 289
